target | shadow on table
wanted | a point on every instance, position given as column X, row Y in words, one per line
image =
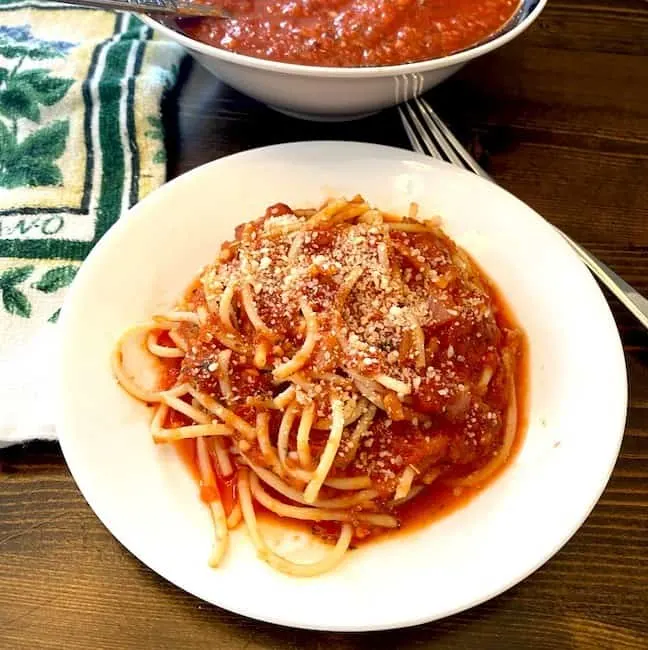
column 206, row 119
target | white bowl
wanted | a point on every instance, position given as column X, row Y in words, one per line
column 143, row 493
column 328, row 93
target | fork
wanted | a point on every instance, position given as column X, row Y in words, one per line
column 429, row 135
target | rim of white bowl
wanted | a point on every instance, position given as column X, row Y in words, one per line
column 298, row 69
column 558, row 540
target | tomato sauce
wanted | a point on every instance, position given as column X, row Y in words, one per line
column 431, row 504
column 348, row 33
column 439, row 499
column 227, row 491
column 468, row 329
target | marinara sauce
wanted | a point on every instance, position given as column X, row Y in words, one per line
column 459, row 418
column 348, row 33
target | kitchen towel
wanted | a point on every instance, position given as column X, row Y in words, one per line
column 81, row 140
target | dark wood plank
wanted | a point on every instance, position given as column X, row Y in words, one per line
column 560, row 118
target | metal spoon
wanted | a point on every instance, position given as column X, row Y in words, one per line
column 181, row 8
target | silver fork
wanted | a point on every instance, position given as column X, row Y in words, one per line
column 429, row 135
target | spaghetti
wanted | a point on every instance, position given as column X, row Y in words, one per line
column 331, row 366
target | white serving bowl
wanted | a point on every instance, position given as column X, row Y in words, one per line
column 146, row 497
column 328, row 93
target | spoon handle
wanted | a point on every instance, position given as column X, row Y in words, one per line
column 163, row 7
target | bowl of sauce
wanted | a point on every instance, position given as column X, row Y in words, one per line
column 342, row 59
column 352, row 33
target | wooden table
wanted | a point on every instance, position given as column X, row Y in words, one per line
column 561, row 119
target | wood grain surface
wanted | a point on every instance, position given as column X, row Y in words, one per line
column 560, row 118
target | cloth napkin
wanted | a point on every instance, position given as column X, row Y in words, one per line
column 81, row 141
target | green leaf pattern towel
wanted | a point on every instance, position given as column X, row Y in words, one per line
column 81, row 141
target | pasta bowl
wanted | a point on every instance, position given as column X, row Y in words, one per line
column 143, row 493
